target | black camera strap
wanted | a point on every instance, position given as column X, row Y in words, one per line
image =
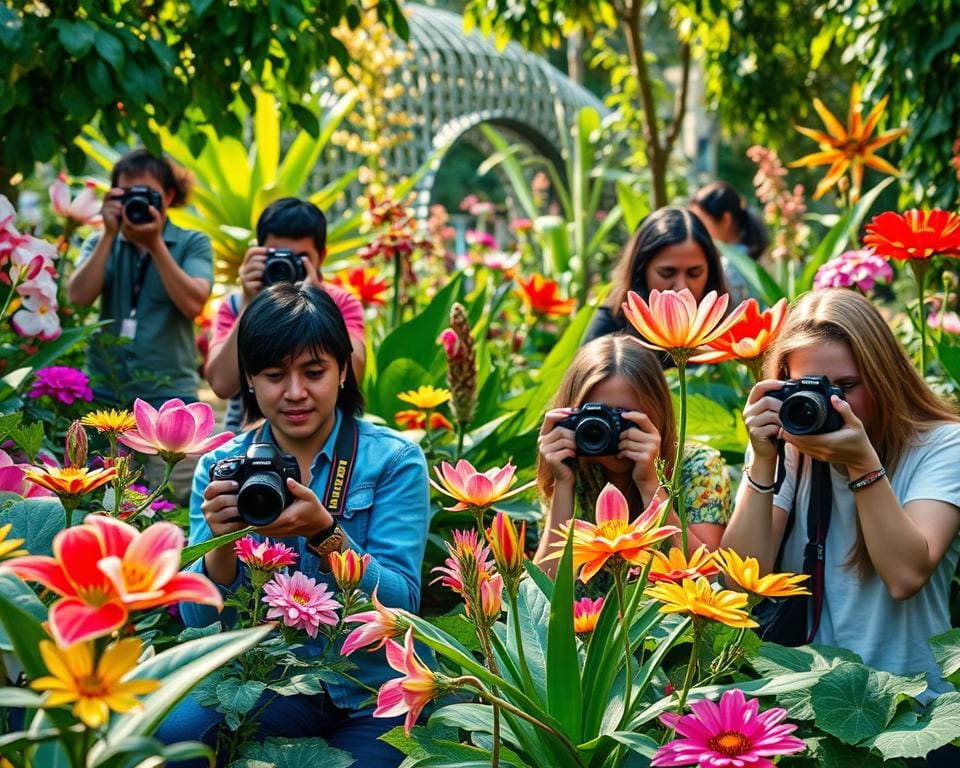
column 141, row 277
column 341, row 466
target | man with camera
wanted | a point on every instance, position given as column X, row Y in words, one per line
column 152, row 279
column 291, row 246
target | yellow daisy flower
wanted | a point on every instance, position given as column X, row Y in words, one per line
column 93, row 689
column 426, row 397
column 698, row 599
column 745, row 573
column 109, row 421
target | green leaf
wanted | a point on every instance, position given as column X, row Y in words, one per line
column 456, row 624
column 36, row 521
column 19, row 594
column 849, row 703
column 946, row 651
column 110, row 49
column 471, row 717
column 195, row 551
column 910, row 736
column 420, row 739
column 29, row 437
column 8, row 422
column 239, row 696
column 637, row 742
column 293, row 753
column 303, row 684
column 75, row 36
column 831, row 753
column 20, row 697
column 564, row 696
column 533, row 614
column 762, row 285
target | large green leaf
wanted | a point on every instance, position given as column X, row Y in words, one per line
column 762, row 285
column 564, row 695
column 533, row 613
column 195, row 551
column 293, row 753
column 19, row 594
column 946, row 650
column 912, row 736
column 22, row 623
column 851, row 703
column 36, row 521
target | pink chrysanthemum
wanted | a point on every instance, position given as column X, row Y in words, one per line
column 63, row 384
column 730, row 734
column 300, row 603
column 854, row 269
column 264, row 555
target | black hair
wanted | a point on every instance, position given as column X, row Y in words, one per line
column 294, row 218
column 719, row 197
column 658, row 230
column 172, row 177
column 281, row 323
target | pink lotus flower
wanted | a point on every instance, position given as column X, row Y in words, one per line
column 62, row 383
column 475, row 490
column 300, row 603
column 37, row 317
column 13, row 479
column 412, row 692
column 262, row 555
column 104, row 568
column 854, row 269
column 376, row 626
column 730, row 734
column 83, row 208
column 175, row 431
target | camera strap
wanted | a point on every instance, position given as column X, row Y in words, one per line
column 141, row 277
column 341, row 467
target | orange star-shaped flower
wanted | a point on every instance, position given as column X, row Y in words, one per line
column 541, row 297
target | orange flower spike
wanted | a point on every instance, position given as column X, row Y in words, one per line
column 541, row 296
column 348, row 568
column 675, row 566
column 848, row 148
column 672, row 321
column 613, row 535
column 749, row 338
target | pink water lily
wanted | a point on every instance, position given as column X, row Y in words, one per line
column 175, row 431
column 412, row 692
column 475, row 490
column 104, row 568
column 83, row 208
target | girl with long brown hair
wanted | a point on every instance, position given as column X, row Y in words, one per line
column 891, row 547
column 617, row 372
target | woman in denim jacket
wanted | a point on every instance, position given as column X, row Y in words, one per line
column 294, row 354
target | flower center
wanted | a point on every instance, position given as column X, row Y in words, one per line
column 730, row 743
column 300, row 598
column 611, row 529
column 91, row 685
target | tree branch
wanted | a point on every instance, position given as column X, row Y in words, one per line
column 680, row 100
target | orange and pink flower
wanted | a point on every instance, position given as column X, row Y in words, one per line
column 586, row 612
column 541, row 296
column 506, row 544
column 363, row 283
column 104, row 569
column 476, row 490
column 300, row 603
column 412, row 692
column 376, row 626
column 469, row 562
column 749, row 338
column 264, row 555
column 174, row 431
column 348, row 568
column 675, row 566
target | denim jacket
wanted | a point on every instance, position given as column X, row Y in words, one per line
column 385, row 514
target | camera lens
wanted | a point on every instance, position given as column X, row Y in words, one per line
column 278, row 270
column 137, row 211
column 261, row 498
column 592, row 437
column 803, row 413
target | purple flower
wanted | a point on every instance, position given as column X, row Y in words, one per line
column 63, row 384
column 853, row 269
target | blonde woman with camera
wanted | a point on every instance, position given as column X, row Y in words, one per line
column 582, row 449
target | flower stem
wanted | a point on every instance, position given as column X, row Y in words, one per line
column 676, row 492
column 69, row 505
column 618, row 574
column 461, row 432
column 691, row 666
column 395, row 304
column 920, row 272
column 483, row 635
column 145, row 504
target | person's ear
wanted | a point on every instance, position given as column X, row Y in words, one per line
column 168, row 196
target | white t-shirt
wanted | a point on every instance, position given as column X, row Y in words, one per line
column 860, row 615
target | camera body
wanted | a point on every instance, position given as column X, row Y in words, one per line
column 262, row 473
column 283, row 266
column 596, row 429
column 137, row 201
column 806, row 408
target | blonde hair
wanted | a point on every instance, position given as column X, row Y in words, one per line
column 902, row 404
column 602, row 359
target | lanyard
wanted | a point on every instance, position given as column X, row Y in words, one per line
column 142, row 266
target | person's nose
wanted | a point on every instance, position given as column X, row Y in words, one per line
column 679, row 283
column 295, row 389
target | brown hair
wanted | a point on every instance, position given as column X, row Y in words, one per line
column 171, row 176
column 902, row 403
column 602, row 359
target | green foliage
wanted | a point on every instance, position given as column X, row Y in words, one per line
column 178, row 64
column 35, row 520
column 292, row 753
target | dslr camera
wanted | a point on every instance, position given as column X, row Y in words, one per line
column 137, row 201
column 262, row 473
column 806, row 408
column 596, row 429
column 283, row 266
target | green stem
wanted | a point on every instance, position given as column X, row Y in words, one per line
column 691, row 666
column 625, row 629
column 920, row 272
column 395, row 305
column 69, row 506
column 515, row 616
column 461, row 432
column 483, row 635
column 13, row 289
column 145, row 504
column 676, row 492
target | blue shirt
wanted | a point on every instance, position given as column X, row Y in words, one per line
column 386, row 514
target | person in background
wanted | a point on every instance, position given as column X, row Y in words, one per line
column 728, row 219
column 299, row 227
column 671, row 250
column 616, row 371
column 152, row 278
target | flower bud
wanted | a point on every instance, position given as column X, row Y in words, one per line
column 491, row 596
column 506, row 544
column 461, row 364
column 348, row 568
column 76, row 445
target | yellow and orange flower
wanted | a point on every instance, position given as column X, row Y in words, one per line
column 914, row 235
column 70, row 481
column 675, row 566
column 363, row 283
column 745, row 573
column 412, row 419
column 614, row 536
column 585, row 614
column 425, row 397
column 10, row 547
column 697, row 598
column 541, row 297
column 506, row 544
column 749, row 338
column 110, row 421
column 848, row 148
column 348, row 568
column 475, row 490
column 94, row 689
column 673, row 322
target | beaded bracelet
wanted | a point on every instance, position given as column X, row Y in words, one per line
column 868, row 479
column 757, row 486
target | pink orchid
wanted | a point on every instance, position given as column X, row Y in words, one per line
column 105, row 568
column 37, row 317
column 175, row 431
column 476, row 490
column 948, row 322
column 83, row 208
column 39, row 285
column 299, row 602
column 264, row 555
column 376, row 626
column 410, row 693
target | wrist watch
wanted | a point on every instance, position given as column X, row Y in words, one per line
column 327, row 541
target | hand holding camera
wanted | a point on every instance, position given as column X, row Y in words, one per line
column 263, row 267
column 130, row 208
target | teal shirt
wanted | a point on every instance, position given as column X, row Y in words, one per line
column 161, row 361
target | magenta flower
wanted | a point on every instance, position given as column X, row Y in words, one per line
column 175, row 431
column 412, row 692
column 730, row 734
column 63, row 384
column 13, row 479
column 481, row 239
column 853, row 269
column 299, row 602
column 264, row 555
column 376, row 626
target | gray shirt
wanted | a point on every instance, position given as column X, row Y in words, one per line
column 161, row 360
